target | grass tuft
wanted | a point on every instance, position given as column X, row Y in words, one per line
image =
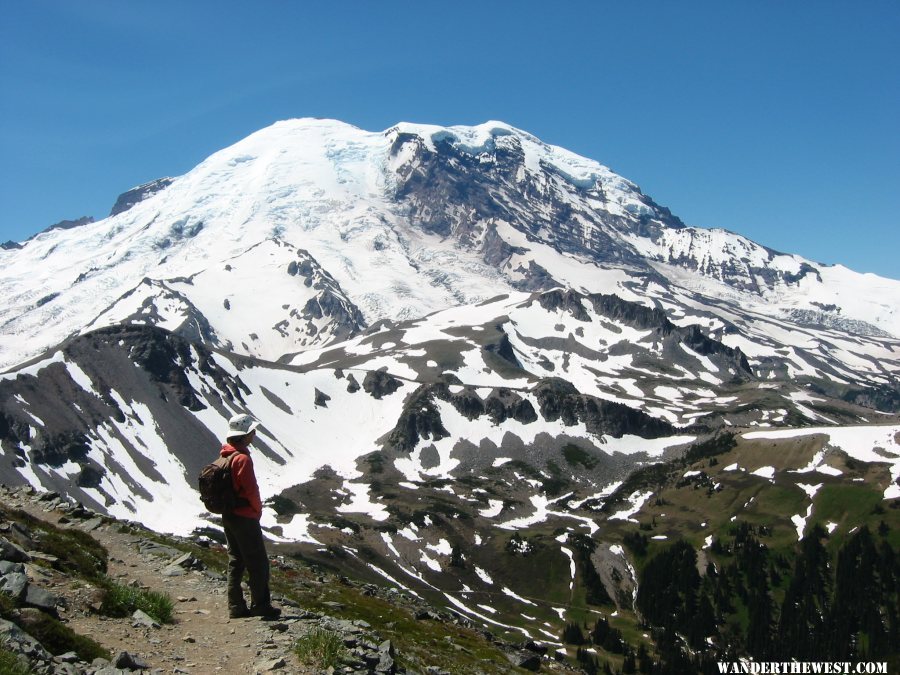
column 12, row 664
column 320, row 648
column 122, row 601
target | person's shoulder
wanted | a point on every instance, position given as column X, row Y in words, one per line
column 241, row 458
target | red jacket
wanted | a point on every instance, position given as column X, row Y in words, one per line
column 244, row 480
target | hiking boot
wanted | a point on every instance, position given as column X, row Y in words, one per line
column 266, row 612
column 238, row 612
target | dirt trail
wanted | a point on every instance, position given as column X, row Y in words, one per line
column 202, row 640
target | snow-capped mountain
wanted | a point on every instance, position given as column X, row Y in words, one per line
column 462, row 321
column 395, row 225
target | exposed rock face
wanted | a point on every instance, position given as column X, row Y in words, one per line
column 454, row 193
column 647, row 318
column 466, row 193
column 504, row 404
column 559, row 399
column 329, row 307
column 420, row 419
column 138, row 194
column 69, row 224
column 122, row 364
column 380, row 383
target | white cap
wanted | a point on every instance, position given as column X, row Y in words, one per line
column 240, row 425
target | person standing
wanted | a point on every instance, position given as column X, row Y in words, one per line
column 243, row 534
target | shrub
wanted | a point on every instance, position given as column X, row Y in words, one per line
column 122, row 601
column 320, row 648
column 57, row 638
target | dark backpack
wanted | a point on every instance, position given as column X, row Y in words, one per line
column 216, row 488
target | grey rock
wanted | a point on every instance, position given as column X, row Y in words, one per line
column 385, row 664
column 11, row 551
column 185, row 560
column 136, row 195
column 140, row 618
column 44, row 557
column 352, row 384
column 15, row 585
column 68, row 657
column 129, row 661
column 173, row 571
column 188, row 562
column 92, row 524
column 35, row 596
column 145, row 546
column 526, row 659
column 424, row 614
column 6, row 567
column 213, row 576
column 269, row 666
column 321, row 399
column 21, row 535
column 17, row 640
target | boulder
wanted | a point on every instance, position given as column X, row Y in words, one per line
column 15, row 585
column 18, row 641
column 141, row 618
column 41, row 599
column 12, row 552
column 128, row 661
column 526, row 660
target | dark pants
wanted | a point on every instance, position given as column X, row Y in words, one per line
column 246, row 551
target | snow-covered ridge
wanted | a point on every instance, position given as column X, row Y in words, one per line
column 237, row 221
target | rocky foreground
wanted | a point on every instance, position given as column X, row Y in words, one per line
column 60, row 562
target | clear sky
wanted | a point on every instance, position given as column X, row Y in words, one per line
column 777, row 120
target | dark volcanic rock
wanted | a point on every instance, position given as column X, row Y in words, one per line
column 467, row 402
column 559, row 399
column 138, row 194
column 69, row 224
column 344, row 318
column 57, row 449
column 352, row 384
column 420, row 419
column 504, row 404
column 504, row 349
column 379, row 383
column 566, row 301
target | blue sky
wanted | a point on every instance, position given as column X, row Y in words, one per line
column 777, row 120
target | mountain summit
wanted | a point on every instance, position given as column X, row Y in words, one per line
column 308, row 231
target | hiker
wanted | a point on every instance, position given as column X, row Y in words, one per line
column 246, row 549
